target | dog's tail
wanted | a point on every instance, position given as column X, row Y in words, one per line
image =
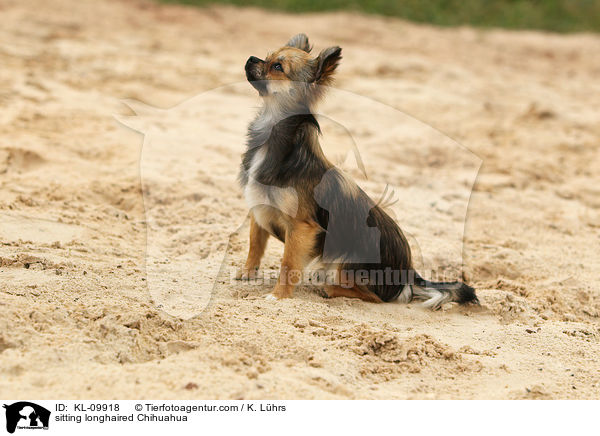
column 437, row 293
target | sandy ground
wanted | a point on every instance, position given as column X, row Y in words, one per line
column 83, row 315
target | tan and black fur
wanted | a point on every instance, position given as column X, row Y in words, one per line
column 294, row 192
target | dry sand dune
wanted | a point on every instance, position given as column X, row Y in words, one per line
column 77, row 316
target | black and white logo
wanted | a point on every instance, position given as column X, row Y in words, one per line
column 26, row 415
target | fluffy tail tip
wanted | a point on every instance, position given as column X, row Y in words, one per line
column 466, row 294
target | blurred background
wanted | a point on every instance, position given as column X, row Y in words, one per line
column 551, row 15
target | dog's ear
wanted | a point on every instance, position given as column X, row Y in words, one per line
column 300, row 41
column 327, row 62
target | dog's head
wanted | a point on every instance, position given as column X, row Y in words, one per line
column 290, row 75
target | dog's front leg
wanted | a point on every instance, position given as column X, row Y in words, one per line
column 258, row 243
column 299, row 244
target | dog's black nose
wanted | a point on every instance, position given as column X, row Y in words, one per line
column 253, row 60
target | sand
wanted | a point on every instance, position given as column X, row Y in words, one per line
column 489, row 139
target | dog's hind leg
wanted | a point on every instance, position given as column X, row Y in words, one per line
column 339, row 291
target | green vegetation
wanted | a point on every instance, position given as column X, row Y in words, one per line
column 552, row 15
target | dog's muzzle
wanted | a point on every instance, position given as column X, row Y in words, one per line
column 254, row 74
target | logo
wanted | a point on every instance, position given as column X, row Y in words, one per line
column 183, row 272
column 26, row 415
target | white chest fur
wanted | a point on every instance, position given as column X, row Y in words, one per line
column 269, row 204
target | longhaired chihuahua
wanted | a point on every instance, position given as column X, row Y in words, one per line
column 320, row 214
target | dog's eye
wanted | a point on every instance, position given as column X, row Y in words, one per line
column 277, row 67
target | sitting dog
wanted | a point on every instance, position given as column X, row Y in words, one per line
column 317, row 211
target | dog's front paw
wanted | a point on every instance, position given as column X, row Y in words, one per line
column 246, row 273
column 282, row 291
column 270, row 297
